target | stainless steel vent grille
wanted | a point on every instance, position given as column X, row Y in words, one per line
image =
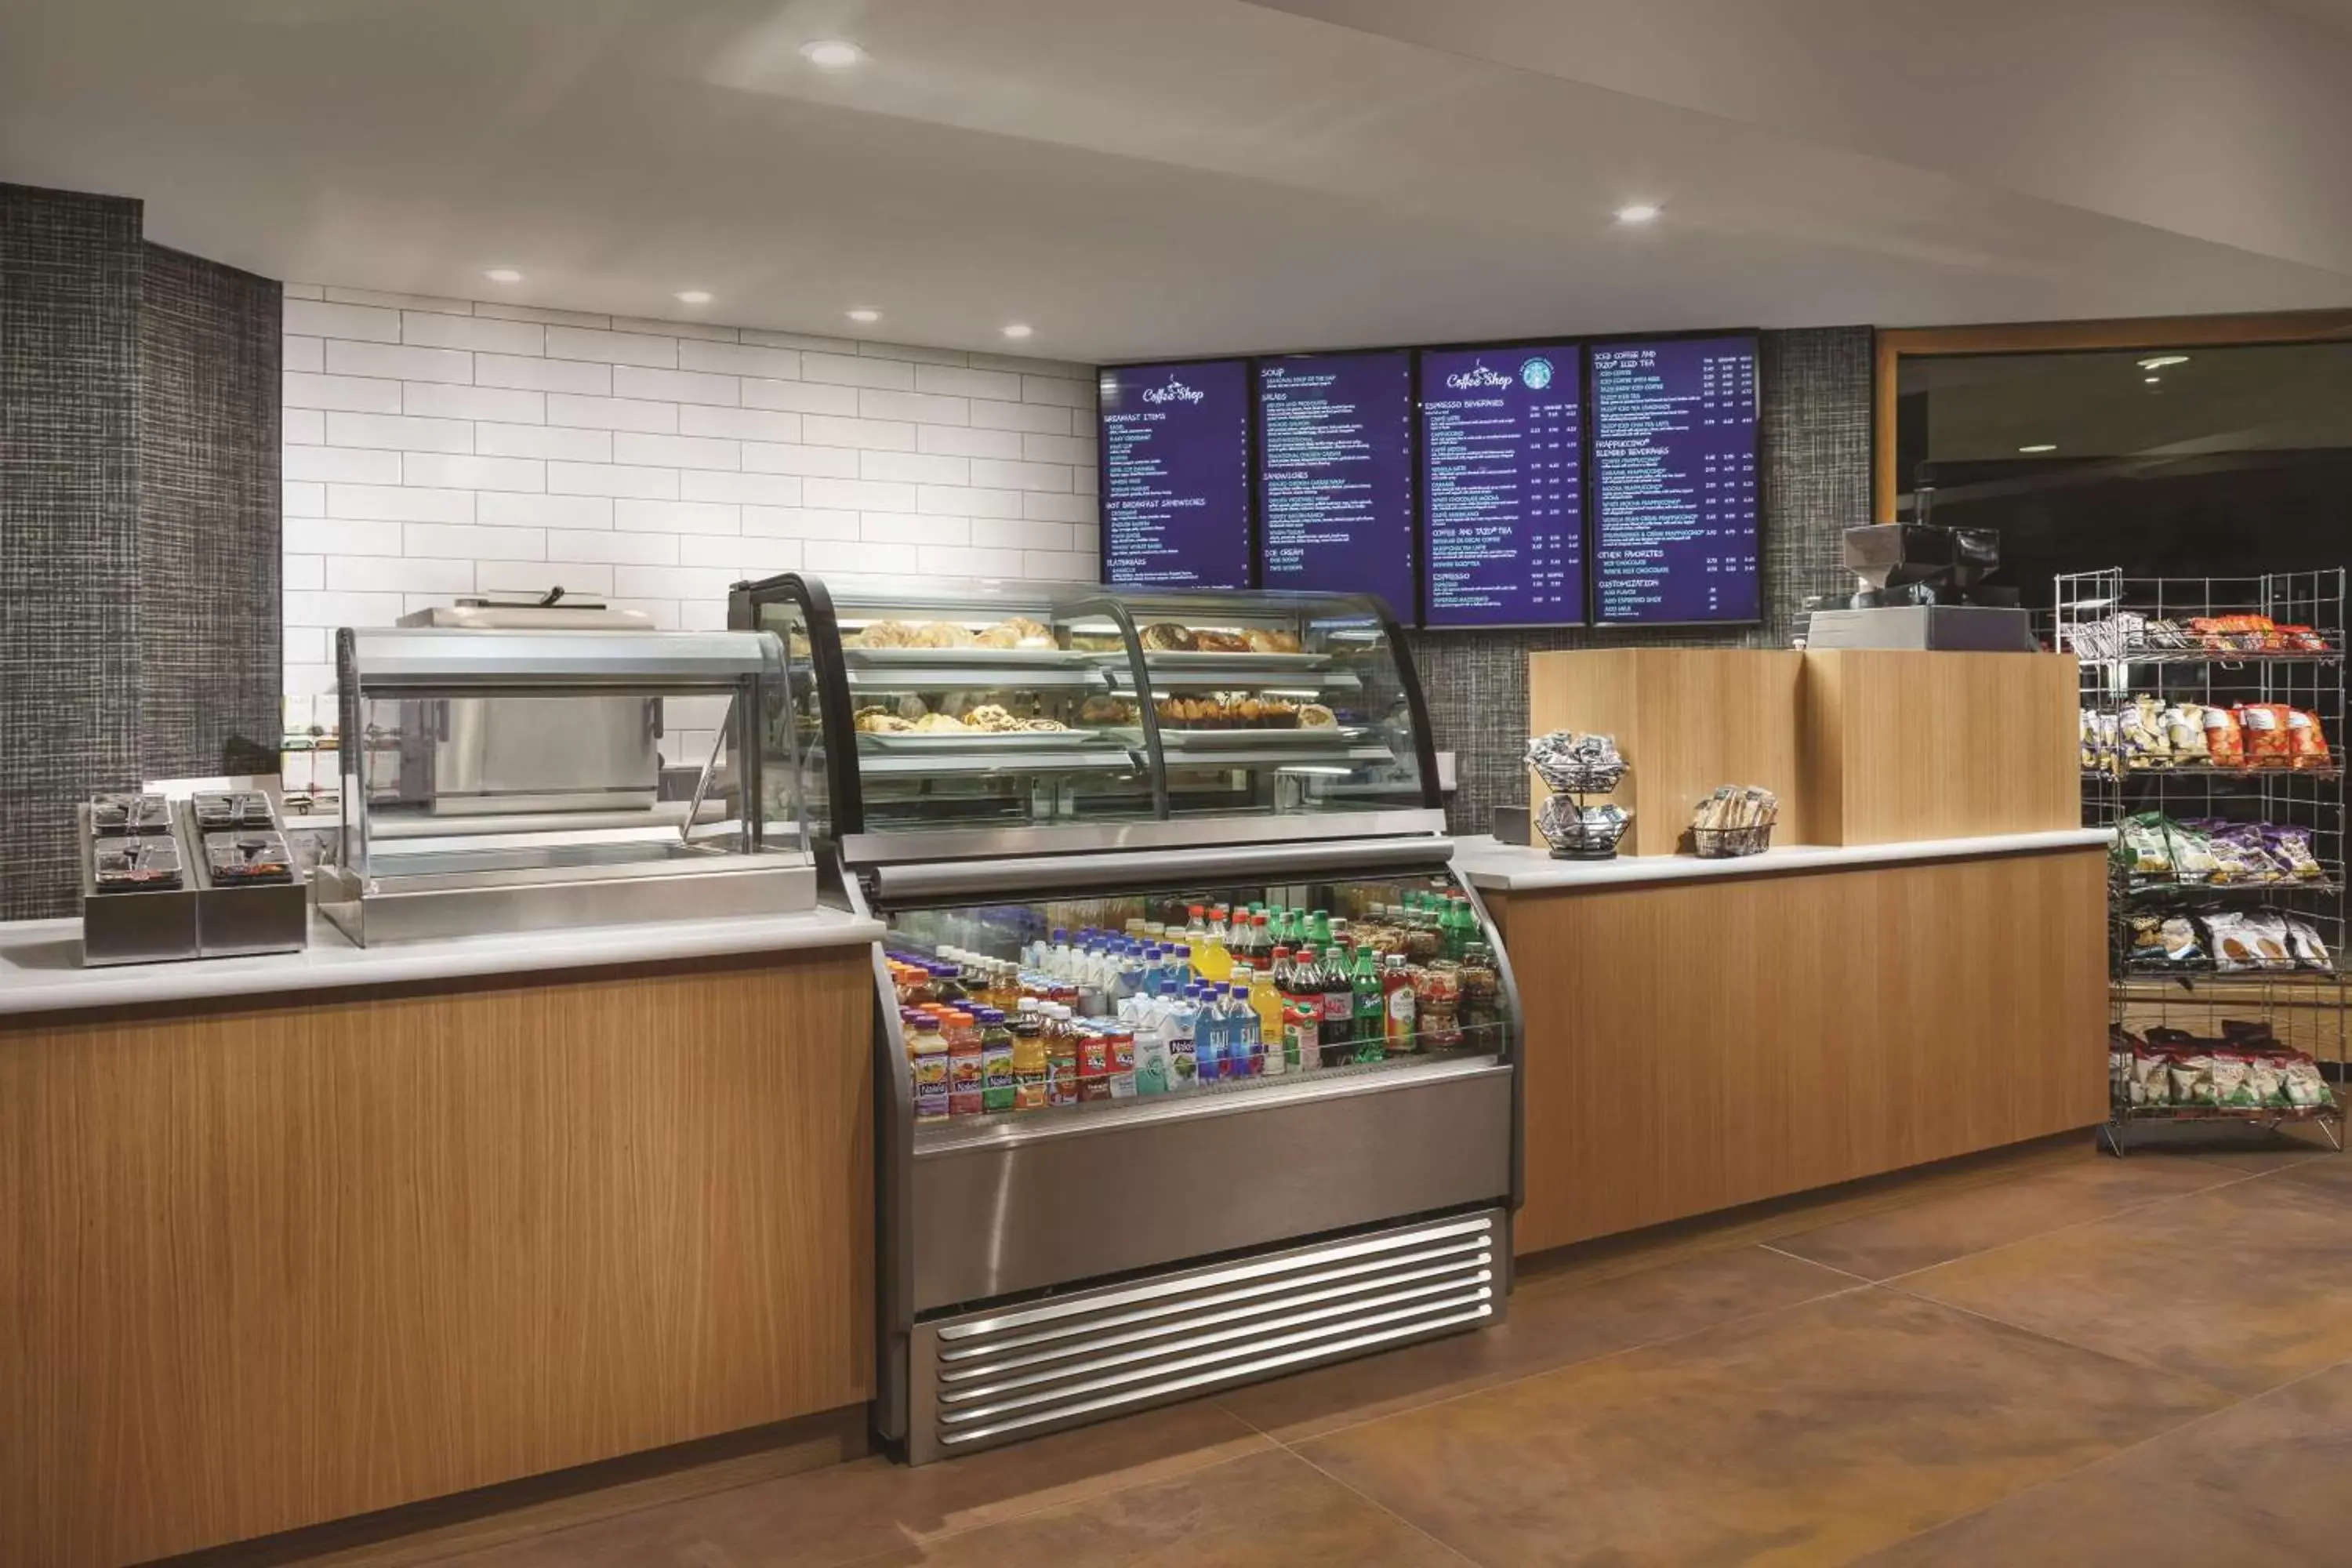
column 990, row 1377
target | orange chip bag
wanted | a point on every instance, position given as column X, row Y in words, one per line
column 2265, row 726
column 2224, row 740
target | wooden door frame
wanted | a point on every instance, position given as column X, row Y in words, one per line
column 2058, row 337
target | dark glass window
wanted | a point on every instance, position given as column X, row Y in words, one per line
column 2164, row 462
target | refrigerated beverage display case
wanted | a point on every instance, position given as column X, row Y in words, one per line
column 1194, row 1063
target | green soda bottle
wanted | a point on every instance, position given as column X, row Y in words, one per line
column 1370, row 1029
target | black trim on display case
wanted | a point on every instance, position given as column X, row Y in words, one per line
column 844, row 799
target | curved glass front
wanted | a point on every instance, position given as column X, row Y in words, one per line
column 1273, row 703
column 1026, row 705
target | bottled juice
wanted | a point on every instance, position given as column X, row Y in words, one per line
column 1339, row 1003
column 1121, row 1038
column 1210, row 956
column 1061, row 1059
column 1028, row 1059
column 1401, row 1027
column 1266, row 999
column 965, row 1064
column 996, row 1068
column 1437, row 1005
column 926, row 1054
column 1302, row 1028
column 1094, row 1060
column 1368, row 1033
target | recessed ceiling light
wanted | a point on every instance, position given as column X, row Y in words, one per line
column 503, row 275
column 2152, row 380
column 862, row 314
column 694, row 296
column 1019, row 330
column 2040, row 446
column 1640, row 212
column 832, row 54
column 2159, row 361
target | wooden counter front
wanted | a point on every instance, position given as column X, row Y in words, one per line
column 1693, row 1046
column 269, row 1265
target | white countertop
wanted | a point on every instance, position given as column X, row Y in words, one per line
column 1492, row 866
column 41, row 968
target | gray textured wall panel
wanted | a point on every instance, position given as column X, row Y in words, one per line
column 211, row 629
column 69, row 281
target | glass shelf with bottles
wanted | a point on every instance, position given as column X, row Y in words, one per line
column 1015, row 1013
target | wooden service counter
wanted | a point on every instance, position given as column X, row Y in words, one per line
column 284, row 1240
column 1701, row 1034
column 1927, row 978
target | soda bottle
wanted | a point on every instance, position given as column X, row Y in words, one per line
column 1399, row 1025
column 1338, row 1004
column 1369, row 1033
column 1318, row 929
column 1266, row 999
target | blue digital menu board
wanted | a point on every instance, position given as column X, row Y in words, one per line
column 1175, row 468
column 1502, row 493
column 1335, row 475
column 1674, row 478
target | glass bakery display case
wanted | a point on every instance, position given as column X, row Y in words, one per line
column 509, row 779
column 1194, row 1063
column 1279, row 703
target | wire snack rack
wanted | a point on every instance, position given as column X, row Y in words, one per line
column 2173, row 670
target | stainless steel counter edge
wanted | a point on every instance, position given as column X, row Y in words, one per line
column 1494, row 866
column 41, row 969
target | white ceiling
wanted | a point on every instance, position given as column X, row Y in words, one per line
column 1141, row 177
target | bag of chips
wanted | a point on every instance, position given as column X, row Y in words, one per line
column 2266, row 1078
column 2230, row 1071
column 2290, row 850
column 2233, row 946
column 2239, row 856
column 2304, row 941
column 2267, row 932
column 2144, row 848
column 2225, row 742
column 2151, row 1080
column 2265, row 725
column 2306, row 744
column 2192, row 1080
column 2192, row 854
column 2305, row 1088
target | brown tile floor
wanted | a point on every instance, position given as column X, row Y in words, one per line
column 2050, row 1357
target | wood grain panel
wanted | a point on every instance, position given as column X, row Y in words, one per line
column 267, row 1267
column 1686, row 719
column 1904, row 745
column 1694, row 1046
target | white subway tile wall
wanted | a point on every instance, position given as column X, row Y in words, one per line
column 438, row 448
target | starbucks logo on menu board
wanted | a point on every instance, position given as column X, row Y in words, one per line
column 1174, row 392
column 1536, row 373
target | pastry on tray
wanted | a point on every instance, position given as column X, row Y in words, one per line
column 1221, row 642
column 1167, row 637
column 886, row 634
column 1262, row 641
